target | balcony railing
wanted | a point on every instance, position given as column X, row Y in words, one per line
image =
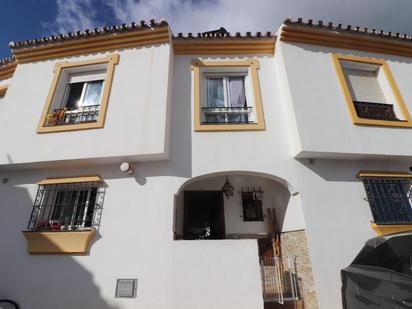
column 73, row 115
column 228, row 115
column 279, row 279
column 375, row 110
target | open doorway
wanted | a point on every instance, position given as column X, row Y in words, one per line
column 203, row 215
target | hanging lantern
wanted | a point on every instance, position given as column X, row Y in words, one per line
column 227, row 188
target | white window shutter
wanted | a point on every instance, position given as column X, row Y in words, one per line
column 87, row 76
column 363, row 86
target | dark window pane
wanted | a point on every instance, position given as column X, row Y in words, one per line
column 75, row 92
column 375, row 110
column 252, row 206
column 63, row 206
column 66, row 206
column 389, row 199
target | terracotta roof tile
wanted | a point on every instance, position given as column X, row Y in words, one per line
column 211, row 35
column 142, row 25
column 349, row 29
column 7, row 60
column 219, row 34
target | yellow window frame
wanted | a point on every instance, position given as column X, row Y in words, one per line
column 384, row 229
column 253, row 66
column 111, row 61
column 406, row 122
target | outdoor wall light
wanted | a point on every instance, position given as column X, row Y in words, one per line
column 227, row 188
column 126, row 167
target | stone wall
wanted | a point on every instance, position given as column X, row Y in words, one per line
column 295, row 244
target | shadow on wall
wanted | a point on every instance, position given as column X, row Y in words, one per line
column 179, row 132
column 179, row 128
column 39, row 281
column 180, row 135
column 275, row 196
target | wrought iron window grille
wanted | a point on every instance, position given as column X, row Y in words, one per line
column 227, row 115
column 70, row 206
column 372, row 110
column 73, row 115
column 252, row 204
column 389, row 199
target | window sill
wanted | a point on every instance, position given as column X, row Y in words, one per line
column 384, row 229
column 230, row 127
column 384, row 123
column 71, row 127
column 58, row 242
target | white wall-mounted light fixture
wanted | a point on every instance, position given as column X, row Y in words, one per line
column 127, row 168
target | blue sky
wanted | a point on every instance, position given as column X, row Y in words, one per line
column 27, row 19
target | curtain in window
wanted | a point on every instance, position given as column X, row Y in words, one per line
column 63, row 207
column 215, row 98
column 85, row 207
column 237, row 92
column 237, row 100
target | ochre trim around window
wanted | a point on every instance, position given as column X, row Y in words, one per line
column 406, row 122
column 59, row 242
column 3, row 90
column 383, row 174
column 253, row 66
column 384, row 229
column 111, row 61
column 71, row 179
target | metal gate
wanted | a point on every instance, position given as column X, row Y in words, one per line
column 279, row 279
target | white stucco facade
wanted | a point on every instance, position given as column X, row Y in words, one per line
column 305, row 161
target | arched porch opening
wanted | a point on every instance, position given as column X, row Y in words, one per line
column 258, row 206
column 255, row 208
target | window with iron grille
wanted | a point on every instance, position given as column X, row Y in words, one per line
column 252, row 206
column 389, row 199
column 67, row 206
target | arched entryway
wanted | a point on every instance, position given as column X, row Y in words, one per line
column 241, row 205
column 230, row 205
